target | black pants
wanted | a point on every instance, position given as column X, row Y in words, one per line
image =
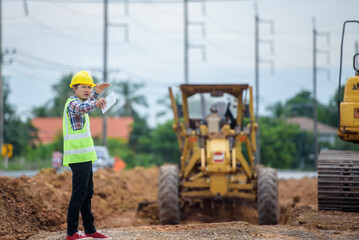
column 82, row 191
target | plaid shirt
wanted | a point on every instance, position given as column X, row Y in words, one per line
column 76, row 110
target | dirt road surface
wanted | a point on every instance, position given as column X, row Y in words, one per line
column 35, row 208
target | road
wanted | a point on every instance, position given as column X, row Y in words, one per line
column 295, row 174
column 27, row 173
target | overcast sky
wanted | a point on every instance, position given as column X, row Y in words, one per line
column 61, row 36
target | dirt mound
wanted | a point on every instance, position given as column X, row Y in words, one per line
column 28, row 205
column 120, row 192
column 299, row 207
column 296, row 193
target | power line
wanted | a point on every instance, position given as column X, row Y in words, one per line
column 34, row 65
column 65, row 36
column 75, row 12
column 170, row 13
column 228, row 29
column 293, row 45
column 146, row 29
column 287, row 80
column 56, row 64
column 223, row 50
column 145, row 52
column 225, row 71
column 132, row 1
column 151, row 80
column 29, row 73
column 43, row 60
column 289, row 63
column 9, row 18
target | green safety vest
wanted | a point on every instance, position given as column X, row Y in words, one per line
column 78, row 145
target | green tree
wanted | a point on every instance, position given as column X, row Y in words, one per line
column 140, row 134
column 139, row 141
column 300, row 105
column 128, row 91
column 329, row 114
column 277, row 110
column 164, row 144
column 165, row 102
column 284, row 145
column 152, row 147
column 16, row 132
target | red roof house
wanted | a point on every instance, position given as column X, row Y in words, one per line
column 117, row 127
column 307, row 124
column 325, row 133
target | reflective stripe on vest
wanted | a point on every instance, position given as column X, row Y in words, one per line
column 78, row 145
column 79, row 151
column 86, row 134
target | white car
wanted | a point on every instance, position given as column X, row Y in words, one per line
column 104, row 160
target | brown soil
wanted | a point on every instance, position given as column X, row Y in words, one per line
column 32, row 205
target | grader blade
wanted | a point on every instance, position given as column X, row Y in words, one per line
column 338, row 180
column 142, row 205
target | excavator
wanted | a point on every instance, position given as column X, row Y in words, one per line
column 338, row 170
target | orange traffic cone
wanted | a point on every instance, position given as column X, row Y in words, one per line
column 119, row 164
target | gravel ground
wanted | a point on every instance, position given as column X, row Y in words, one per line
column 231, row 230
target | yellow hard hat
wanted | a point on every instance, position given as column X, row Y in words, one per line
column 82, row 77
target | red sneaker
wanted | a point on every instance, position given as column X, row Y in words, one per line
column 78, row 235
column 97, row 235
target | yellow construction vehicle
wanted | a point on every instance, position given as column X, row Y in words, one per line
column 217, row 139
column 338, row 171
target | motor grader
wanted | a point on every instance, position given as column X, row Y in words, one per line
column 338, row 170
column 217, row 153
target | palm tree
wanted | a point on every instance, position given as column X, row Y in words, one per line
column 165, row 101
column 277, row 110
column 128, row 91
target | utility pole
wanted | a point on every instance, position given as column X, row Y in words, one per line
column 315, row 69
column 185, row 13
column 105, row 52
column 257, row 60
column 26, row 9
column 1, row 86
column 104, row 117
column 187, row 45
column 256, row 75
column 315, row 130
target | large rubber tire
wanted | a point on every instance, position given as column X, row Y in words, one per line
column 168, row 195
column 267, row 201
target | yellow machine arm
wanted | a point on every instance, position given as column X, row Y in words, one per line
column 177, row 127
